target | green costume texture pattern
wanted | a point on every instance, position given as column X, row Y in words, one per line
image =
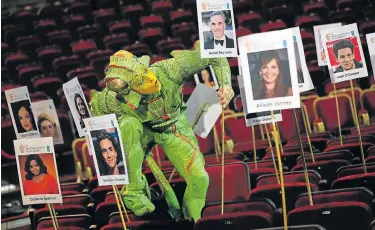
column 158, row 118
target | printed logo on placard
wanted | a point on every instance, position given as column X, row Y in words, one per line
column 329, row 36
column 372, row 40
column 204, row 6
column 112, row 123
column 294, row 38
column 22, row 148
column 27, row 95
column 284, row 43
column 11, row 96
column 48, row 148
column 50, row 106
column 352, row 33
column 248, row 45
column 227, row 5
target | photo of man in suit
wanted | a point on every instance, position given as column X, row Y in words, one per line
column 217, row 25
column 344, row 53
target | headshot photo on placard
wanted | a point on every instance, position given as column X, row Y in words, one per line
column 108, row 152
column 345, row 57
column 48, row 121
column 270, row 74
column 38, row 174
column 207, row 77
column 218, row 32
column 24, row 116
column 81, row 108
column 344, row 51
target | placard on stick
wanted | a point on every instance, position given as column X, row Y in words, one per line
column 268, row 68
column 77, row 104
column 37, row 171
column 47, row 120
column 321, row 55
column 344, row 51
column 304, row 80
column 21, row 113
column 108, row 152
column 217, row 32
column 371, row 47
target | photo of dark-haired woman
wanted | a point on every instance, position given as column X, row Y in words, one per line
column 23, row 116
column 37, row 180
column 271, row 75
column 82, row 110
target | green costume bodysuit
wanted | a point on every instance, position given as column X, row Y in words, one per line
column 157, row 118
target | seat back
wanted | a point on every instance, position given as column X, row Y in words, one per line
column 238, row 221
column 359, row 194
column 325, row 109
column 289, row 177
column 368, row 101
column 336, row 215
column 237, row 182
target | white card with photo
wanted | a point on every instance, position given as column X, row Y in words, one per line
column 47, row 120
column 207, row 77
column 304, row 80
column 343, row 48
column 321, row 55
column 37, row 171
column 371, row 47
column 21, row 113
column 108, row 152
column 203, row 109
column 253, row 119
column 77, row 104
column 217, row 32
column 268, row 63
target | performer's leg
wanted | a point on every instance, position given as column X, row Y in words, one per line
column 136, row 194
column 181, row 147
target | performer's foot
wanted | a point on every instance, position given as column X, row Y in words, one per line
column 137, row 197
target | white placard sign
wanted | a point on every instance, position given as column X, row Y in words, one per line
column 77, row 104
column 108, row 152
column 203, row 109
column 304, row 80
column 269, row 71
column 37, row 171
column 47, row 120
column 217, row 33
column 371, row 47
column 21, row 113
column 343, row 48
column 321, row 55
column 253, row 119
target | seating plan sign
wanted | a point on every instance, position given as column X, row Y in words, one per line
column 269, row 73
column 107, row 148
column 344, row 51
column 37, row 171
column 217, row 33
column 21, row 113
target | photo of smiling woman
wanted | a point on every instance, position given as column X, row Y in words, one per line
column 108, row 152
column 23, row 116
column 270, row 75
column 37, row 180
column 81, row 109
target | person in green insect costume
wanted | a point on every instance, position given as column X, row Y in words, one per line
column 148, row 103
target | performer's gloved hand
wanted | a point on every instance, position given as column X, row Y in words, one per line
column 226, row 94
